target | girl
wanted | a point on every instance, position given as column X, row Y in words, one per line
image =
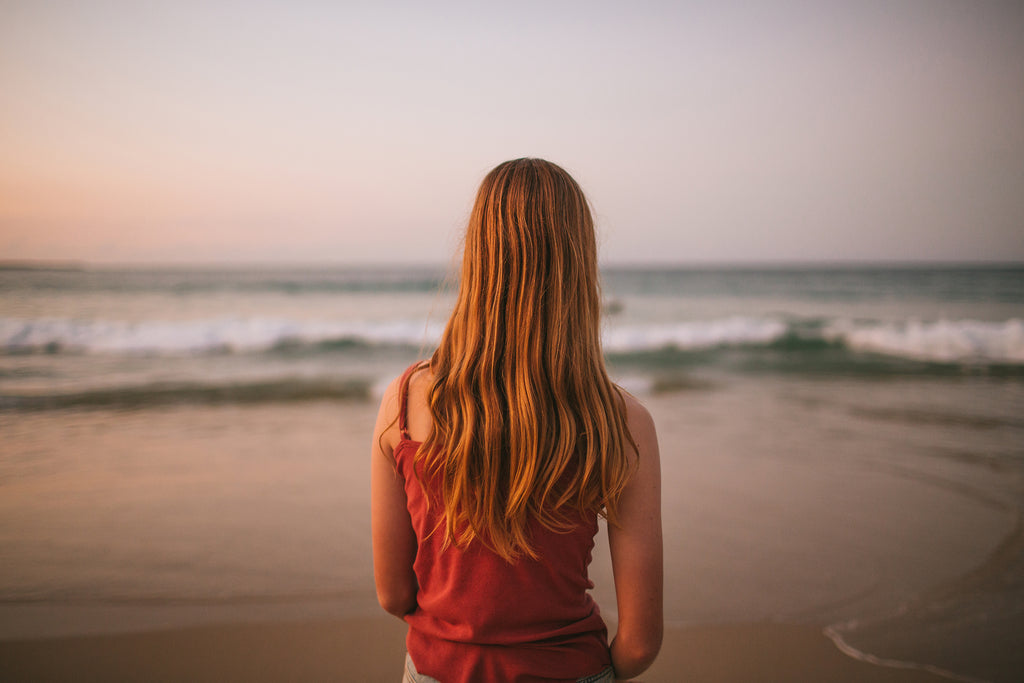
column 493, row 460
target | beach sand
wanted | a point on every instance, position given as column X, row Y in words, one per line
column 371, row 650
column 232, row 543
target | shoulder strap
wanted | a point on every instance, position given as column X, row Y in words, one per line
column 403, row 397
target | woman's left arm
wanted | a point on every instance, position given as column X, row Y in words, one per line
column 394, row 540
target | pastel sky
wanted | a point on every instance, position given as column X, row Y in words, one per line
column 357, row 132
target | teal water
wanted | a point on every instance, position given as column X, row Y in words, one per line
column 134, row 336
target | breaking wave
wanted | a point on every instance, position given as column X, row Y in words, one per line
column 951, row 342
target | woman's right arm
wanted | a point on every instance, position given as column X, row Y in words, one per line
column 394, row 540
column 636, row 550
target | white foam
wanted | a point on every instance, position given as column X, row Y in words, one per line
column 697, row 334
column 945, row 341
column 834, row 634
column 241, row 334
column 199, row 336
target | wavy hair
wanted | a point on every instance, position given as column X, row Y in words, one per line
column 526, row 423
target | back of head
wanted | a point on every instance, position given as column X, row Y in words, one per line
column 526, row 422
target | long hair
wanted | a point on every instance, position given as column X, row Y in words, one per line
column 526, row 423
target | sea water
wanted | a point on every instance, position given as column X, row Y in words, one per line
column 132, row 337
column 152, row 421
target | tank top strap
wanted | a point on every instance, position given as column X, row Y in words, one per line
column 403, row 397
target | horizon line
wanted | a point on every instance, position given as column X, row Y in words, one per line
column 738, row 264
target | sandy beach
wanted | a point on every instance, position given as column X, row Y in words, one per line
column 371, row 650
column 761, row 553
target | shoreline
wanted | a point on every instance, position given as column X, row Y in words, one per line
column 853, row 653
column 371, row 649
column 998, row 574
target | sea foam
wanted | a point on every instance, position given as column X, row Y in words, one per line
column 697, row 334
column 228, row 334
column 943, row 341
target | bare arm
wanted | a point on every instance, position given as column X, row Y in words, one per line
column 394, row 541
column 636, row 550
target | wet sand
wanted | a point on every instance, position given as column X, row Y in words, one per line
column 371, row 650
column 232, row 543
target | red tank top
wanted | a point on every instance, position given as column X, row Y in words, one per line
column 481, row 619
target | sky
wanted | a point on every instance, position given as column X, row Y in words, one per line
column 345, row 132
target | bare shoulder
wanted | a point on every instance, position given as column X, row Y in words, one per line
column 390, row 399
column 385, row 432
column 392, row 390
column 641, row 424
column 420, row 422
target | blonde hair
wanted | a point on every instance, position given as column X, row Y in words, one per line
column 526, row 423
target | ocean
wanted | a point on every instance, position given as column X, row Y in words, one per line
column 841, row 445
